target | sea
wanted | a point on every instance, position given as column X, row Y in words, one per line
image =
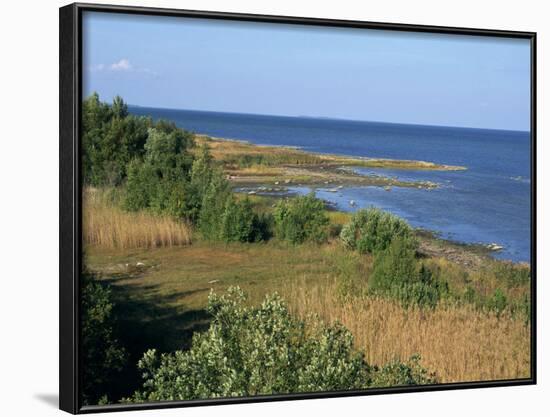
column 488, row 203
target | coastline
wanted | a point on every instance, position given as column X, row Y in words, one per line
column 271, row 171
column 259, row 165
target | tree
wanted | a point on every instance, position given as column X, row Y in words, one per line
column 119, row 108
column 213, row 206
column 201, row 176
column 94, row 115
column 159, row 182
column 112, row 138
column 141, row 186
column 167, row 154
column 301, row 219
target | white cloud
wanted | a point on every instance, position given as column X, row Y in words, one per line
column 122, row 65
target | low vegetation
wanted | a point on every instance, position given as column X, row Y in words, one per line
column 106, row 225
column 459, row 342
column 265, row 350
column 240, row 154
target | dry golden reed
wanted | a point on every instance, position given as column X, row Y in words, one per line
column 108, row 226
column 459, row 343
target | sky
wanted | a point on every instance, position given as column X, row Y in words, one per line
column 294, row 70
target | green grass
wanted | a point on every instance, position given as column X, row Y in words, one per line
column 181, row 277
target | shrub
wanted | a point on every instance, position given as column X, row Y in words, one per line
column 213, row 206
column 498, row 302
column 396, row 374
column 394, row 267
column 396, row 274
column 373, row 230
column 103, row 357
column 237, row 224
column 301, row 219
column 254, row 351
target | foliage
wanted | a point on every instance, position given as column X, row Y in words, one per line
column 160, row 173
column 254, row 351
column 102, row 354
column 497, row 302
column 396, row 274
column 301, row 219
column 213, row 206
column 158, row 182
column 395, row 374
column 373, row 230
column 152, row 158
column 201, row 177
column 111, row 139
column 237, row 224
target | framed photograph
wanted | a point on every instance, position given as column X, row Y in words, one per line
column 259, row 208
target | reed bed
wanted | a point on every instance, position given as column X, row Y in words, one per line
column 459, row 343
column 108, row 226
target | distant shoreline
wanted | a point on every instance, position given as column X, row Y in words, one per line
column 249, row 164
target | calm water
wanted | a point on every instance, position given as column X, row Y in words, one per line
column 488, row 203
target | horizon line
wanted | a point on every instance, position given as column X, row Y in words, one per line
column 328, row 118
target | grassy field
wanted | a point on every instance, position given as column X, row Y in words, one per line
column 161, row 292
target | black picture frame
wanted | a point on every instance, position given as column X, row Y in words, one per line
column 70, row 210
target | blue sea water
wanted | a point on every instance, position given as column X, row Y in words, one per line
column 490, row 202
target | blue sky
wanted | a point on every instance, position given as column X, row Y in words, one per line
column 291, row 70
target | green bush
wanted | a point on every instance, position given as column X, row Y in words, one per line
column 252, row 351
column 257, row 351
column 102, row 355
column 237, row 224
column 301, row 219
column 371, row 230
column 213, row 206
column 395, row 374
column 498, row 302
column 394, row 267
column 396, row 274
